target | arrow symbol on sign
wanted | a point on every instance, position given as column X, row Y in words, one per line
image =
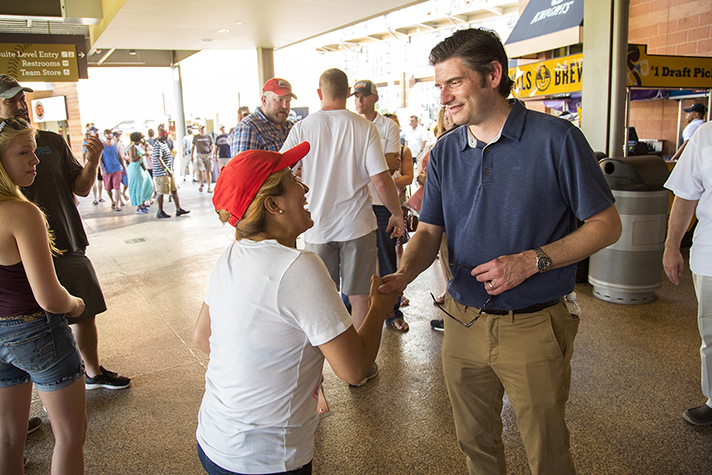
column 81, row 55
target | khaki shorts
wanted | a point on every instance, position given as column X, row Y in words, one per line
column 351, row 262
column 204, row 162
column 165, row 184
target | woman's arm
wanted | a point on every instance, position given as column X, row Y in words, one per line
column 30, row 234
column 352, row 353
column 406, row 177
column 201, row 335
column 133, row 153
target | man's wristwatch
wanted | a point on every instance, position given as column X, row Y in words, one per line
column 543, row 262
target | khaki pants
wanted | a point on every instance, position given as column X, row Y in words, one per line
column 526, row 355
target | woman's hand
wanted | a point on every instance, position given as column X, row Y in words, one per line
column 383, row 302
column 78, row 308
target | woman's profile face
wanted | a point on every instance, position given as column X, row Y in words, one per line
column 293, row 204
column 19, row 160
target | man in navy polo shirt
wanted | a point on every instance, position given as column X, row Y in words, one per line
column 507, row 189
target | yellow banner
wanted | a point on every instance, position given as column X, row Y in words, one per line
column 39, row 62
column 652, row 71
column 546, row 78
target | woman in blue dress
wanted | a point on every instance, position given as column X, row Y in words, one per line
column 140, row 184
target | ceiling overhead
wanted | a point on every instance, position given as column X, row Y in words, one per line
column 195, row 24
column 228, row 24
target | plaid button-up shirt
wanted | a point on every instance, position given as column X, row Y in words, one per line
column 255, row 132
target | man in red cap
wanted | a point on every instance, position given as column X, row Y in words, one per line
column 266, row 128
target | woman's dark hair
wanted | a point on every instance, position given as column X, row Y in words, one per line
column 478, row 48
column 136, row 136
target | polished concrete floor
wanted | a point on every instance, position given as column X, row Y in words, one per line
column 635, row 370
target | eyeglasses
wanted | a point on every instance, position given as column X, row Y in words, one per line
column 468, row 325
column 17, row 124
column 479, row 314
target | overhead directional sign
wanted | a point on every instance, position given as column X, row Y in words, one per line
column 33, row 62
column 43, row 58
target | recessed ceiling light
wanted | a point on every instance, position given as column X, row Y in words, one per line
column 223, row 30
column 238, row 23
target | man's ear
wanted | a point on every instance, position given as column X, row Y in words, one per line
column 495, row 74
column 320, row 94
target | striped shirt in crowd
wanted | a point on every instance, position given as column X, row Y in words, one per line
column 160, row 149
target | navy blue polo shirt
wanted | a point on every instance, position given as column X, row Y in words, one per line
column 523, row 190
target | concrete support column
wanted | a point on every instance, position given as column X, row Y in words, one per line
column 265, row 66
column 180, row 115
column 605, row 46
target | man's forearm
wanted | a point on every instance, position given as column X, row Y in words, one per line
column 597, row 232
column 681, row 216
column 85, row 180
column 421, row 251
column 386, row 190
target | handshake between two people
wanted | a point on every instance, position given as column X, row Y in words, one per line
column 382, row 302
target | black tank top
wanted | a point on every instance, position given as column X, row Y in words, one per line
column 16, row 296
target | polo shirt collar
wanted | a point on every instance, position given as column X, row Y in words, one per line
column 513, row 127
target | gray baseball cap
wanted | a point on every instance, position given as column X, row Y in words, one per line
column 9, row 87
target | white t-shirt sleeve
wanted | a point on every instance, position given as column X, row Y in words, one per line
column 375, row 160
column 292, row 141
column 392, row 138
column 308, row 294
column 685, row 180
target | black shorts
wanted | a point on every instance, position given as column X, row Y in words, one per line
column 76, row 273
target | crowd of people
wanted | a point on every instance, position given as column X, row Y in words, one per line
column 340, row 180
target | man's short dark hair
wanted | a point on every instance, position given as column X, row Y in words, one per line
column 478, row 48
column 334, row 84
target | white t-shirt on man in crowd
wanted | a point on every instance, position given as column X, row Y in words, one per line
column 338, row 170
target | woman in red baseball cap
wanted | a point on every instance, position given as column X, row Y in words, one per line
column 270, row 317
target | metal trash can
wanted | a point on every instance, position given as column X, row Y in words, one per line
column 630, row 271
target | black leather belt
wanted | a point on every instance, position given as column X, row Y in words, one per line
column 531, row 309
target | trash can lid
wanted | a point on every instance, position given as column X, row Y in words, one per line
column 638, row 173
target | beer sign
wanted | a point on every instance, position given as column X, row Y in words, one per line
column 548, row 78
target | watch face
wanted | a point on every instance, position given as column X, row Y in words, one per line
column 543, row 263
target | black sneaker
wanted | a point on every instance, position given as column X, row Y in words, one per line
column 438, row 325
column 162, row 214
column 181, row 212
column 371, row 374
column 33, row 424
column 107, row 380
column 699, row 416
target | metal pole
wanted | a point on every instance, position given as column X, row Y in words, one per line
column 627, row 121
column 180, row 113
column 619, row 51
column 680, row 115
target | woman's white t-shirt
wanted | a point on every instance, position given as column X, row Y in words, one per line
column 270, row 307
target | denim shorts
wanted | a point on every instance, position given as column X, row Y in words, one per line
column 42, row 351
